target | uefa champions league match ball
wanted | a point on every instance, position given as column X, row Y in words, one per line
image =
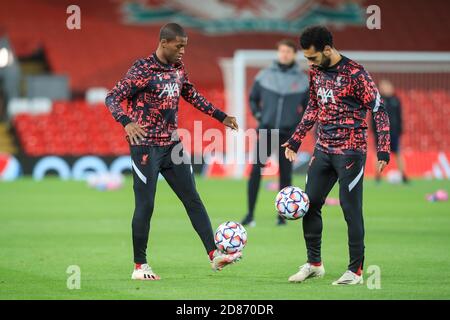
column 292, row 203
column 230, row 237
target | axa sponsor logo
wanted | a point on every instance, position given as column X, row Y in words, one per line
column 324, row 94
column 171, row 90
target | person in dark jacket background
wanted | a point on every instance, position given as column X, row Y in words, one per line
column 277, row 101
column 394, row 110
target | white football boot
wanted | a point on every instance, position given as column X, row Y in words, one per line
column 349, row 278
column 307, row 271
column 221, row 260
column 144, row 272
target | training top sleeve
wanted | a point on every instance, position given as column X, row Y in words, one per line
column 308, row 119
column 255, row 100
column 366, row 91
column 136, row 78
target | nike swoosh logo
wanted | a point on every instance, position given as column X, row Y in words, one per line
column 350, row 165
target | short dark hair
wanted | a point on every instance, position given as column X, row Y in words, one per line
column 317, row 36
column 288, row 42
column 171, row 31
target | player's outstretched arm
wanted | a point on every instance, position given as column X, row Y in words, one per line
column 306, row 123
column 231, row 122
column 366, row 91
column 384, row 139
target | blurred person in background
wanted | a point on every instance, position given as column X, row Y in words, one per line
column 2, row 102
column 394, row 109
column 277, row 100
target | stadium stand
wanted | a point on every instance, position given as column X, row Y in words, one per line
column 74, row 128
column 77, row 128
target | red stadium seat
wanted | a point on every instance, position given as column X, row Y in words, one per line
column 75, row 128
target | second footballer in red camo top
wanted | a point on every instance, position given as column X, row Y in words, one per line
column 341, row 94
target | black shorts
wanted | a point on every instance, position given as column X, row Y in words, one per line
column 395, row 143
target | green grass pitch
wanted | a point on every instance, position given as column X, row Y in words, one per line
column 47, row 226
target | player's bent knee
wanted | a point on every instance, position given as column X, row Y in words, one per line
column 315, row 203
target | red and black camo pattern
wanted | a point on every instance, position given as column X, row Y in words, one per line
column 152, row 90
column 340, row 97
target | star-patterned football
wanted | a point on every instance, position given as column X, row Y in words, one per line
column 230, row 237
column 292, row 203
